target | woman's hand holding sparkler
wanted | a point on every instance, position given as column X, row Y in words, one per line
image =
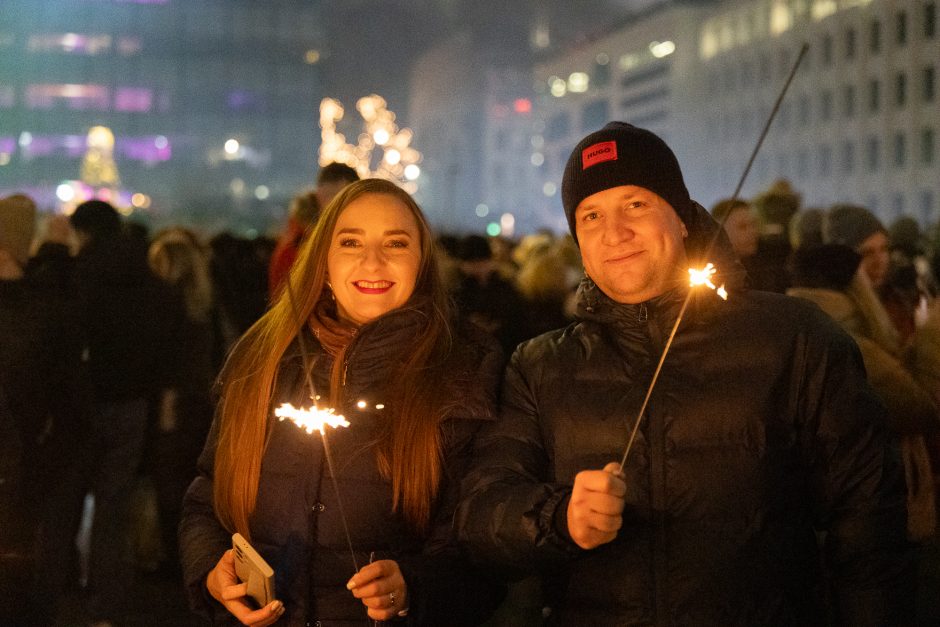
column 224, row 586
column 381, row 588
column 596, row 505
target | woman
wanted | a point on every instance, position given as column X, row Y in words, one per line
column 831, row 275
column 184, row 408
column 367, row 296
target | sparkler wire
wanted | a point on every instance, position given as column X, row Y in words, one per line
column 308, row 372
column 721, row 226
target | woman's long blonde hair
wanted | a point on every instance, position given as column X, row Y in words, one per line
column 410, row 451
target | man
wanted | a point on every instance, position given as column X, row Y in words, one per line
column 760, row 434
column 304, row 210
column 740, row 226
column 128, row 317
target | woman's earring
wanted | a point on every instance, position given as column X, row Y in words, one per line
column 329, row 286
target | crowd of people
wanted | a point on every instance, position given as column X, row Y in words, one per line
column 786, row 454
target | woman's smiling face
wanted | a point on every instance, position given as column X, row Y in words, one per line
column 374, row 257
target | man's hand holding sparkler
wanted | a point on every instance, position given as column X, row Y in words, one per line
column 596, row 506
column 381, row 588
column 224, row 586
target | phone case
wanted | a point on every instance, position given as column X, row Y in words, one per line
column 253, row 570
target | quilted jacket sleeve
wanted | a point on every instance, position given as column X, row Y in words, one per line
column 509, row 507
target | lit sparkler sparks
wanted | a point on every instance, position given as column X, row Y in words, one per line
column 704, row 277
column 311, row 420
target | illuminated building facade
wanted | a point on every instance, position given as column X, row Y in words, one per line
column 471, row 107
column 213, row 104
column 859, row 123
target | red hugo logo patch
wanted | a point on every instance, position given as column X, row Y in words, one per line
column 598, row 153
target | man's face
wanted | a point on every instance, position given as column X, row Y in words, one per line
column 876, row 257
column 631, row 243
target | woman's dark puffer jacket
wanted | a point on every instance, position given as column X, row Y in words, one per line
column 297, row 525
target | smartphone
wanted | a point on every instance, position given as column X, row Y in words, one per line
column 253, row 570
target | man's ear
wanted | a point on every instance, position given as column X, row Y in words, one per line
column 685, row 231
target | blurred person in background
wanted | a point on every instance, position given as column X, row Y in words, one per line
column 830, row 275
column 541, row 281
column 859, row 229
column 740, row 225
column 775, row 207
column 304, row 210
column 127, row 318
column 484, row 297
column 239, row 270
column 184, row 407
column 44, row 412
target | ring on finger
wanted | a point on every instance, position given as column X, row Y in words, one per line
column 391, row 598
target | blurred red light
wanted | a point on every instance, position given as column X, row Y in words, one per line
column 522, row 105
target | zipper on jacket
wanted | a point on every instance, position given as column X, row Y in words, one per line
column 642, row 315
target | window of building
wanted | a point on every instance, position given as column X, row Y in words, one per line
column 594, row 115
column 897, row 204
column 802, row 164
column 825, row 161
column 729, row 79
column 803, row 109
column 930, row 20
column 900, row 150
column 850, row 43
column 67, row 95
column 744, row 123
column 929, row 84
column 926, row 207
column 872, row 153
column 874, row 37
column 762, row 167
column 848, row 157
column 558, row 126
column 874, row 95
column 900, row 28
column 746, row 74
column 825, row 105
column 764, row 65
column 900, row 89
column 783, row 165
column 848, row 101
column 827, row 50
column 927, row 146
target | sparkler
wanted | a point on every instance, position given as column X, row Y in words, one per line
column 703, row 276
column 316, row 418
column 311, row 420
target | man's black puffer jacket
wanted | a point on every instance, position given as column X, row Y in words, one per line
column 760, row 430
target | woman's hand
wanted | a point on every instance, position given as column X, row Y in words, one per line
column 224, row 586
column 381, row 588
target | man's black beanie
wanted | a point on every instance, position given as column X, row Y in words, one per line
column 622, row 154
